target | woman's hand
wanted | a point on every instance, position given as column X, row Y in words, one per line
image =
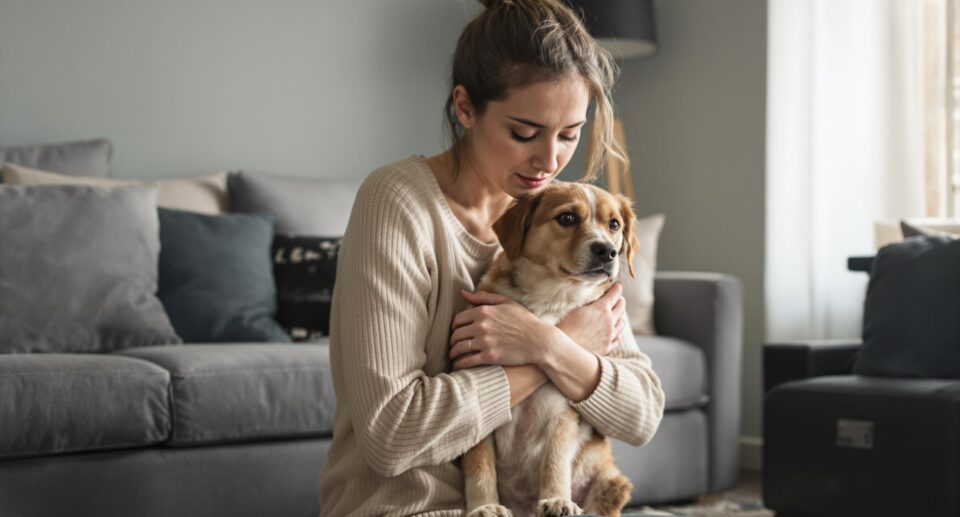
column 597, row 326
column 497, row 331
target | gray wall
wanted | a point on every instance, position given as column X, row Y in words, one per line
column 694, row 115
column 338, row 87
column 302, row 87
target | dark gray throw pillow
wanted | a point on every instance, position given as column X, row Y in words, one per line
column 911, row 322
column 216, row 277
column 305, row 269
column 78, row 269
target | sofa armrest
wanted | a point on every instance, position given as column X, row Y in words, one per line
column 706, row 310
column 794, row 360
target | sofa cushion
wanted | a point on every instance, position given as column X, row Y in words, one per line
column 55, row 403
column 203, row 194
column 682, row 369
column 216, row 277
column 246, row 392
column 78, row 269
column 638, row 289
column 305, row 206
column 83, row 158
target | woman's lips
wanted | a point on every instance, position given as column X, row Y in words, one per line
column 533, row 182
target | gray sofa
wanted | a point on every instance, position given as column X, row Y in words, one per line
column 238, row 429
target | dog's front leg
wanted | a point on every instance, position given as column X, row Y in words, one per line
column 480, row 481
column 556, row 471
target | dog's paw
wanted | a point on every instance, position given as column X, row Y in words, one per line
column 490, row 510
column 557, row 507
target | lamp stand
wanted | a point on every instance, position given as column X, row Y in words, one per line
column 617, row 176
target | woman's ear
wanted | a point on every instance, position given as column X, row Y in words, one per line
column 511, row 228
column 630, row 242
column 463, row 106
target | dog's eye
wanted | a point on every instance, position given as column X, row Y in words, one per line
column 614, row 225
column 567, row 219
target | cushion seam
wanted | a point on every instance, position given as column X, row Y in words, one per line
column 248, row 370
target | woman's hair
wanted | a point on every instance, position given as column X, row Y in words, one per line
column 515, row 43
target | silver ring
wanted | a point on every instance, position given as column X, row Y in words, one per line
column 469, row 345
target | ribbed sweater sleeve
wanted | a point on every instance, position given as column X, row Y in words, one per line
column 403, row 417
column 628, row 401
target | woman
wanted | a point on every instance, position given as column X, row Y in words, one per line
column 419, row 237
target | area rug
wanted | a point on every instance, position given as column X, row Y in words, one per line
column 728, row 507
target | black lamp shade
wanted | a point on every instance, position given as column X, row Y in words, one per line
column 626, row 28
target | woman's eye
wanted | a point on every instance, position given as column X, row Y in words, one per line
column 525, row 139
column 614, row 225
column 567, row 219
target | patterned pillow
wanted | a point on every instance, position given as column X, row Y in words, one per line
column 304, row 269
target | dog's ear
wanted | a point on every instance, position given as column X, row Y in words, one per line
column 511, row 228
column 630, row 242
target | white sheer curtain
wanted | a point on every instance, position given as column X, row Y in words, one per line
column 845, row 147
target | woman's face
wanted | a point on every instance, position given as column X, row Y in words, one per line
column 521, row 143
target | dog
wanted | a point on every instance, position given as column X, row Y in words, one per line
column 562, row 249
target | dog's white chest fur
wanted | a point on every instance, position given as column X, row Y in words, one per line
column 520, row 442
column 549, row 301
column 520, row 449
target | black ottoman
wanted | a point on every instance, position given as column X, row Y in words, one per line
column 859, row 446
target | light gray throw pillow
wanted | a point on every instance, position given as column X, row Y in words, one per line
column 78, row 269
column 303, row 206
column 82, row 158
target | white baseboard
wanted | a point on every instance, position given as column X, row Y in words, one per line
column 751, row 453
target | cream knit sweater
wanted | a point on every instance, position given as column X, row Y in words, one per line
column 402, row 419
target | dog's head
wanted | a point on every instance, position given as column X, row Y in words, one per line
column 577, row 231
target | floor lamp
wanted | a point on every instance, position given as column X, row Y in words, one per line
column 627, row 30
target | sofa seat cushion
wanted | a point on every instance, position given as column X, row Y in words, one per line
column 56, row 403
column 682, row 369
column 245, row 392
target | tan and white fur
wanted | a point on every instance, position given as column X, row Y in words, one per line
column 562, row 249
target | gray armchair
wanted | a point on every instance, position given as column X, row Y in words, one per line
column 697, row 354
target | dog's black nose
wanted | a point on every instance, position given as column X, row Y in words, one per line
column 603, row 251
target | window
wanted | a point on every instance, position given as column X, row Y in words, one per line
column 942, row 105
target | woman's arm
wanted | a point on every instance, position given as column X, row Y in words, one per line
column 626, row 400
column 403, row 418
column 606, row 377
column 524, row 380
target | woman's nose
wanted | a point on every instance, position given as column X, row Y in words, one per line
column 546, row 159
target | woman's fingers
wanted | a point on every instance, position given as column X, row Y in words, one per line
column 464, row 346
column 484, row 298
column 612, row 294
column 479, row 298
column 464, row 317
column 613, row 346
column 460, row 334
column 468, row 361
column 619, row 306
